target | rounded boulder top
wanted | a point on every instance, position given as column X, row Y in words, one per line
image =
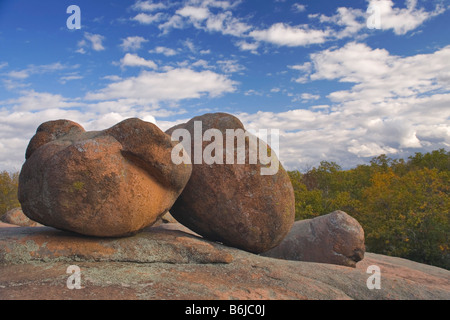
column 233, row 203
column 106, row 183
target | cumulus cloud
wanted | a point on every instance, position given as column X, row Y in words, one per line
column 198, row 14
column 31, row 100
column 248, row 46
column 148, row 6
column 284, row 35
column 396, row 105
column 230, row 66
column 144, row 18
column 132, row 43
column 348, row 21
column 403, row 20
column 218, row 16
column 379, row 75
column 194, row 13
column 168, row 52
column 297, row 7
column 15, row 78
column 96, row 41
column 173, row 85
column 133, row 60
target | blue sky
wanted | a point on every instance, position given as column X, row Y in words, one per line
column 336, row 89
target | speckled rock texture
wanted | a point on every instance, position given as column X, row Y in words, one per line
column 335, row 238
column 107, row 183
column 234, row 203
column 169, row 264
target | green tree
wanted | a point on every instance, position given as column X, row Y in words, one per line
column 439, row 159
column 408, row 216
column 9, row 183
column 308, row 203
column 403, row 206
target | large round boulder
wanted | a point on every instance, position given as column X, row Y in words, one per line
column 101, row 183
column 245, row 204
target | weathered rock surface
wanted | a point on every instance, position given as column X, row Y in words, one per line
column 149, row 246
column 162, row 264
column 108, row 183
column 234, row 203
column 335, row 238
column 7, row 225
column 17, row 217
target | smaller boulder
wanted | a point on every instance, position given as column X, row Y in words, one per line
column 335, row 238
column 17, row 217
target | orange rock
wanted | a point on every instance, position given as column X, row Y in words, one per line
column 233, row 203
column 108, row 183
column 168, row 264
column 335, row 238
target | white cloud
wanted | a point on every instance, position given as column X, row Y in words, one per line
column 148, row 6
column 190, row 45
column 282, row 34
column 197, row 14
column 202, row 64
column 309, row 96
column 22, row 74
column 252, row 92
column 18, row 75
column 81, row 51
column 10, row 84
column 175, row 22
column 396, row 105
column 215, row 3
column 113, row 77
column 230, row 66
column 96, row 41
column 379, row 75
column 173, row 85
column 70, row 77
column 31, row 100
column 133, row 60
column 194, row 13
column 248, row 46
column 164, row 50
column 145, row 18
column 351, row 20
column 132, row 43
column 3, row 65
column 225, row 23
column 299, row 7
column 402, row 20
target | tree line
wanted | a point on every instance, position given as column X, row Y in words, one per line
column 403, row 205
column 9, row 183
